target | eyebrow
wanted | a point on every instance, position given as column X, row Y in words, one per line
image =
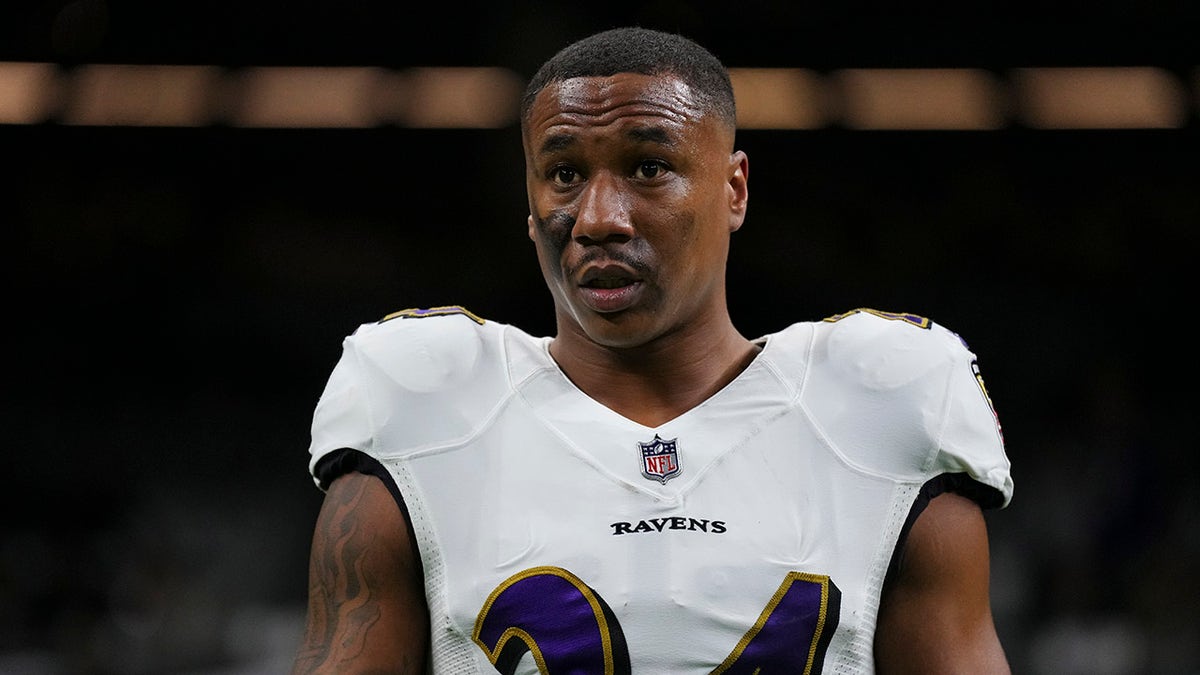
column 651, row 135
column 644, row 134
column 557, row 142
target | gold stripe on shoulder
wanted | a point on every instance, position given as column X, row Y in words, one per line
column 914, row 319
column 423, row 312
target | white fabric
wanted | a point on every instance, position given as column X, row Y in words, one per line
column 533, row 514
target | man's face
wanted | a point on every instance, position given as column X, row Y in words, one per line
column 633, row 193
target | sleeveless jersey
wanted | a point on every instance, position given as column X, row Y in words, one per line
column 751, row 534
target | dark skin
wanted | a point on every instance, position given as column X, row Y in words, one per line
column 634, row 191
column 366, row 596
column 935, row 615
column 633, row 195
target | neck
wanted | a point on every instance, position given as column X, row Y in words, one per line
column 656, row 382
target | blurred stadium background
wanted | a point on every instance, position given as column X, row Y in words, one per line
column 202, row 198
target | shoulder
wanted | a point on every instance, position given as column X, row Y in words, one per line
column 868, row 348
column 420, row 378
column 413, row 378
column 885, row 350
column 424, row 349
column 884, row 389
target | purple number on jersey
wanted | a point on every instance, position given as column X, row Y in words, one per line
column 570, row 630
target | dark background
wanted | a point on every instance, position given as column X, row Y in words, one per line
column 175, row 299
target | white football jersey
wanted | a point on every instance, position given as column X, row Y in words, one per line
column 751, row 534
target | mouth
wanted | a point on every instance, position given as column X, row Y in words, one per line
column 610, row 288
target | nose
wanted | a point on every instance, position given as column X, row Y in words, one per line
column 603, row 211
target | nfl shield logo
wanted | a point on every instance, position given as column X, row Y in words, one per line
column 660, row 459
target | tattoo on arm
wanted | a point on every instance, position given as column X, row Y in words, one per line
column 346, row 572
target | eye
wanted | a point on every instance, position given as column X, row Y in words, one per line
column 650, row 168
column 564, row 175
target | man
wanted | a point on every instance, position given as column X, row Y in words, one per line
column 649, row 491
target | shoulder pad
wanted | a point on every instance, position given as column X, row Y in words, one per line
column 884, row 350
column 423, row 350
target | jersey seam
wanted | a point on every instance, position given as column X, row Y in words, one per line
column 361, row 382
column 943, row 419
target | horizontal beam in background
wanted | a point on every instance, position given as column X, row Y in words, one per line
column 487, row 98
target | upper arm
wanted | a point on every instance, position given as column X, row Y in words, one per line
column 366, row 598
column 935, row 614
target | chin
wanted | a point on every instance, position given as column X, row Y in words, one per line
column 619, row 332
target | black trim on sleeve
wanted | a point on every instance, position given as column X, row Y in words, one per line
column 344, row 461
column 986, row 496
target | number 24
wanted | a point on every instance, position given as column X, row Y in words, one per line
column 569, row 629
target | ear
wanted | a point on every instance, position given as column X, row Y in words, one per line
column 739, row 195
column 530, row 231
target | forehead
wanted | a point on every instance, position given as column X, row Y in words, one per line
column 585, row 102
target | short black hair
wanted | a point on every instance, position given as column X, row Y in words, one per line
column 633, row 49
